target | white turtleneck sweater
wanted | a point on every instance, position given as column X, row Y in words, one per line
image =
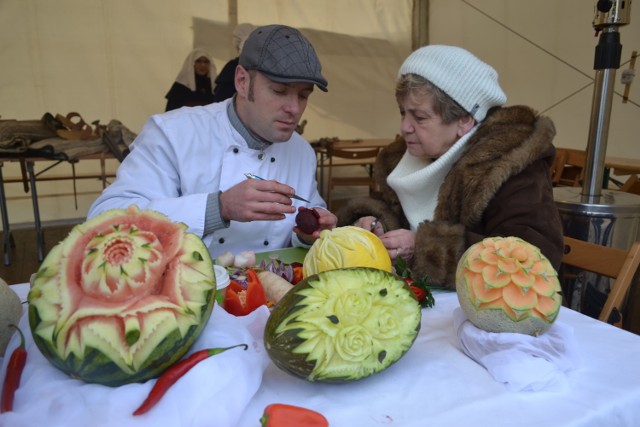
column 417, row 181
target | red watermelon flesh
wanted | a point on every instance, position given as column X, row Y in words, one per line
column 122, row 297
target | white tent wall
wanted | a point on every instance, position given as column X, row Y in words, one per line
column 116, row 59
column 544, row 53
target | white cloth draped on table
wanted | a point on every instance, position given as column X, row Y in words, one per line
column 214, row 392
column 522, row 362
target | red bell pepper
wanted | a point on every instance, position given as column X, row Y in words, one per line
column 297, row 275
column 240, row 301
column 281, row 415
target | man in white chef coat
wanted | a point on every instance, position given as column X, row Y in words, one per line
column 190, row 163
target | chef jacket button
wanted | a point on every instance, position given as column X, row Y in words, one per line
column 273, row 159
column 221, row 240
column 235, row 150
column 266, row 243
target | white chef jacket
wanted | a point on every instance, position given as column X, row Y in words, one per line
column 181, row 156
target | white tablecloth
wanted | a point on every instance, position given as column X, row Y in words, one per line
column 435, row 384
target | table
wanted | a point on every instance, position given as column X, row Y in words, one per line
column 435, row 384
column 621, row 166
column 322, row 145
column 28, row 180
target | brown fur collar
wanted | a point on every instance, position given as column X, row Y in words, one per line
column 506, row 142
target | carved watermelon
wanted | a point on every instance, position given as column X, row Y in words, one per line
column 121, row 298
column 505, row 284
column 343, row 325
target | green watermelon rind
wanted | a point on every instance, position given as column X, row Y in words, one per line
column 96, row 367
column 197, row 284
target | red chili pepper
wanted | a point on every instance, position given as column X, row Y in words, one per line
column 14, row 372
column 240, row 301
column 175, row 372
column 281, row 415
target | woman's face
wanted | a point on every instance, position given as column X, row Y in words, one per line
column 202, row 66
column 426, row 135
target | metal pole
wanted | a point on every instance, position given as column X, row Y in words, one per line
column 591, row 213
column 609, row 15
column 608, row 50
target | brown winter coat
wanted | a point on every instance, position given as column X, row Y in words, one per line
column 501, row 186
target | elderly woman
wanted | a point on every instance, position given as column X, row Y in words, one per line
column 465, row 168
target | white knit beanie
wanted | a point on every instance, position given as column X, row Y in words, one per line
column 469, row 81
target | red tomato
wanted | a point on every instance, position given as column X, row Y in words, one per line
column 297, row 275
column 421, row 294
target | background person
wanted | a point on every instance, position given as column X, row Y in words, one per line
column 465, row 168
column 224, row 85
column 194, row 84
column 190, row 163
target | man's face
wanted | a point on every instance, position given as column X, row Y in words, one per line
column 270, row 109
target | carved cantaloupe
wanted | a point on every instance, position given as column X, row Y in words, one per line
column 506, row 284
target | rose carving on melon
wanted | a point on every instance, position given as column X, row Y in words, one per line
column 344, row 247
column 122, row 297
column 506, row 284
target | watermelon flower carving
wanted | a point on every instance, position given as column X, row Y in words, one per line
column 122, row 297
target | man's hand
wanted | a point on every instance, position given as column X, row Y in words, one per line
column 327, row 221
column 255, row 200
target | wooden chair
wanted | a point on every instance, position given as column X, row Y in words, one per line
column 615, row 263
column 355, row 157
column 631, row 185
column 568, row 167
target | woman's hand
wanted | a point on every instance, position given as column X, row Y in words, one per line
column 399, row 243
column 370, row 223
